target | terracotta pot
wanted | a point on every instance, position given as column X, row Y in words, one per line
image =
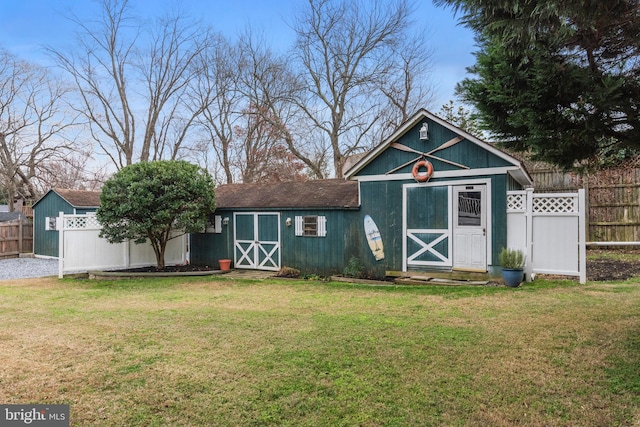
column 225, row 264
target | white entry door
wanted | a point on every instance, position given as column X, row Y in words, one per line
column 470, row 227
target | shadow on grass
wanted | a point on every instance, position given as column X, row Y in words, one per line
column 624, row 369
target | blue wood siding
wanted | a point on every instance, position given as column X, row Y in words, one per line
column 382, row 201
column 320, row 255
column 208, row 248
column 310, row 254
column 45, row 242
column 498, row 219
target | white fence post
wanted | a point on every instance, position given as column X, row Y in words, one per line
column 60, row 245
column 582, row 207
column 528, row 213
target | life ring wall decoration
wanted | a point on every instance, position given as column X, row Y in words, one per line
column 421, row 176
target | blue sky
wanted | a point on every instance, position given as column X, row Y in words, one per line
column 27, row 25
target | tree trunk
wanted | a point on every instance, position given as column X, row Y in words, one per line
column 159, row 247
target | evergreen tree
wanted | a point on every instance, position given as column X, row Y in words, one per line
column 461, row 117
column 559, row 79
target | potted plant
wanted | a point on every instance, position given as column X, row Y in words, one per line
column 225, row 264
column 512, row 262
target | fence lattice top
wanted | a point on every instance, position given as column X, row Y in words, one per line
column 555, row 204
column 517, row 201
column 81, row 222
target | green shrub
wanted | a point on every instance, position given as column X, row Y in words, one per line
column 354, row 268
column 512, row 259
column 288, row 272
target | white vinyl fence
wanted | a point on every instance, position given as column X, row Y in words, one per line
column 551, row 230
column 81, row 249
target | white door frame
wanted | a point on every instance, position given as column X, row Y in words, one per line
column 450, row 184
column 470, row 241
column 250, row 253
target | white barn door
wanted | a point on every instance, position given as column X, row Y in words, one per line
column 257, row 240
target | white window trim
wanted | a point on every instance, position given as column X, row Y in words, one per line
column 51, row 223
column 322, row 226
column 299, row 226
column 214, row 226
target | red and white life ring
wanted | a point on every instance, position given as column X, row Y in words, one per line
column 422, row 177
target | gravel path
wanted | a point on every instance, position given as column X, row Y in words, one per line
column 20, row 268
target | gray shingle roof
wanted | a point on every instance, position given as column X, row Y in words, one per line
column 80, row 198
column 77, row 198
column 11, row 216
column 325, row 193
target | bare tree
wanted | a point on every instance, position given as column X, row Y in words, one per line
column 217, row 90
column 406, row 87
column 274, row 90
column 349, row 52
column 129, row 78
column 33, row 125
column 247, row 91
column 265, row 156
column 77, row 171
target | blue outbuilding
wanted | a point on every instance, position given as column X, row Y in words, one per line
column 431, row 197
column 47, row 209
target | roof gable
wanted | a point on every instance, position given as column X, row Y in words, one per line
column 326, row 193
column 449, row 148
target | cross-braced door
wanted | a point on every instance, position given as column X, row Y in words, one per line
column 427, row 222
column 257, row 240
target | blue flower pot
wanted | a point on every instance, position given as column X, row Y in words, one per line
column 512, row 277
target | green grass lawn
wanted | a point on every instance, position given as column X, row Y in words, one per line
column 202, row 352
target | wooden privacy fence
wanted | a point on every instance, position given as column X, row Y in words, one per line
column 550, row 229
column 613, row 200
column 82, row 249
column 16, row 237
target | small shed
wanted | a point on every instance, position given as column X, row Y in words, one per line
column 305, row 225
column 47, row 209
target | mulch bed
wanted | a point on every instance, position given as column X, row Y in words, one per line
column 602, row 270
column 168, row 269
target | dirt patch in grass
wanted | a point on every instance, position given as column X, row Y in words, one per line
column 608, row 265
